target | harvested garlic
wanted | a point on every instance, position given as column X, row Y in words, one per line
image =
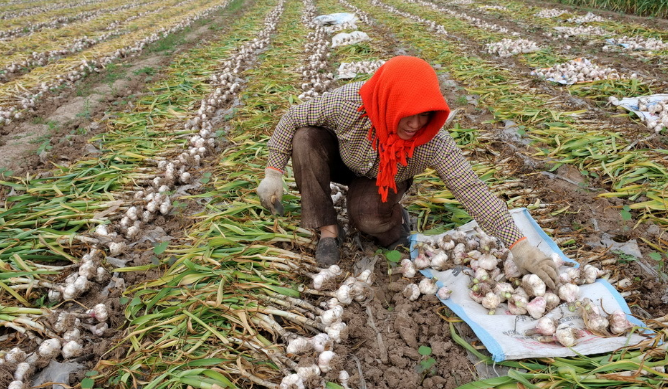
column 49, row 348
column 569, row 292
column 322, row 342
column 565, row 335
column 427, row 286
column 72, row 349
column 15, row 355
column 343, row 295
column 491, row 301
column 332, row 315
column 16, row 385
column 533, row 285
column 99, row 312
column 439, row 261
column 411, row 292
column 536, row 307
column 299, row 345
column 337, row 331
column 23, row 371
column 324, row 360
column 551, row 301
column 545, row 326
column 443, row 293
column 292, row 381
column 408, row 268
column 619, row 324
column 306, row 372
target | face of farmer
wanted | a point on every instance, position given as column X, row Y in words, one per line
column 410, row 125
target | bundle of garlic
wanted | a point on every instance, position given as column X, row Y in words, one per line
column 344, row 38
column 352, row 69
column 567, row 32
column 579, row 70
column 493, row 7
column 636, row 43
column 656, row 118
column 509, row 47
column 549, row 13
column 589, row 17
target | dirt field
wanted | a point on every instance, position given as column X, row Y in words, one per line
column 58, row 130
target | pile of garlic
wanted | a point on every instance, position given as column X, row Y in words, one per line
column 497, row 283
column 65, row 340
column 549, row 13
column 321, row 346
column 344, row 38
column 636, row 43
column 567, row 32
column 589, row 17
column 658, row 110
column 351, row 69
column 509, row 47
column 579, row 70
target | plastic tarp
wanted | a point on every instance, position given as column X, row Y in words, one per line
column 503, row 333
column 335, row 18
column 631, row 104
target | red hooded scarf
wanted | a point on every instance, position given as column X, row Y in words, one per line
column 403, row 86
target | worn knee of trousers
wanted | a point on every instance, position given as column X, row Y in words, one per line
column 375, row 224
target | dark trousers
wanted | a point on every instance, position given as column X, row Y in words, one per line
column 316, row 162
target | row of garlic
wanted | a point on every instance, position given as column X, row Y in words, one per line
column 315, row 80
column 76, row 72
column 587, row 18
column 349, row 69
column 509, row 47
column 636, row 43
column 581, row 70
column 156, row 199
column 433, row 26
column 66, row 342
column 62, row 21
column 567, row 32
column 549, row 13
column 476, row 22
column 322, row 344
column 361, row 15
column 45, row 8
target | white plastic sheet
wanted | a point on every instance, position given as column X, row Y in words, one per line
column 631, row 104
column 503, row 333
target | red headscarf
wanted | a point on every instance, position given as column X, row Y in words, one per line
column 403, row 86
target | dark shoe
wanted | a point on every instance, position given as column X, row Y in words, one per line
column 406, row 228
column 327, row 252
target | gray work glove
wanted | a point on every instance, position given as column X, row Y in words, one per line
column 270, row 191
column 530, row 259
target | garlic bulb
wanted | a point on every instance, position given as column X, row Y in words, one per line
column 443, row 293
column 23, row 371
column 16, row 385
column 536, row 307
column 292, row 381
column 343, row 295
column 551, row 301
column 565, row 335
column 491, row 301
column 569, row 292
column 322, row 342
column 306, row 372
column 533, row 285
column 619, row 324
column 427, row 286
column 99, row 312
column 299, row 345
column 545, row 326
column 49, row 348
column 439, row 261
column 72, row 349
column 337, row 331
column 411, row 292
column 332, row 315
column 408, row 268
column 325, row 360
column 15, row 355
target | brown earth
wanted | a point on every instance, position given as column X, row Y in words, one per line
column 58, row 132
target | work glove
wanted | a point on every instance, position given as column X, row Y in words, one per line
column 530, row 259
column 270, row 191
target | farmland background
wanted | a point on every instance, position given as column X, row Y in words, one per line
column 133, row 136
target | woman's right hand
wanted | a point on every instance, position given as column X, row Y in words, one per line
column 270, row 191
